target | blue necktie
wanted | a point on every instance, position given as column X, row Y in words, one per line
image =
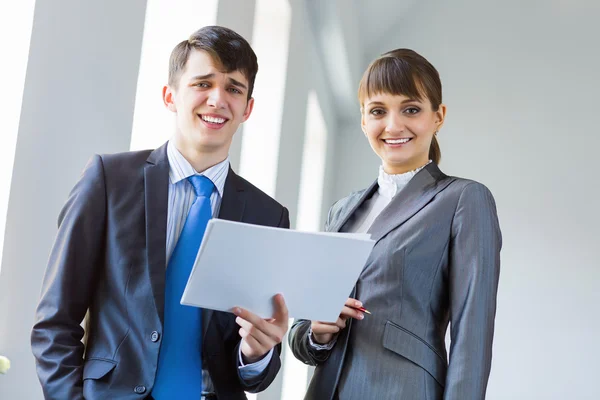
column 179, row 373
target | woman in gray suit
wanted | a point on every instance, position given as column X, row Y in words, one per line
column 435, row 263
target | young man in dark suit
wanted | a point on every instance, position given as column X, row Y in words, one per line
column 127, row 240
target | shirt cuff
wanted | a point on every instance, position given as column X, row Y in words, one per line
column 251, row 371
column 317, row 346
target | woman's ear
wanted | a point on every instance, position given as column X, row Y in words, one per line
column 362, row 122
column 440, row 116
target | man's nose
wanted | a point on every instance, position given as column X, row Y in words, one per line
column 216, row 98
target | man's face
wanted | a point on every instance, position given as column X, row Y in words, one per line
column 209, row 105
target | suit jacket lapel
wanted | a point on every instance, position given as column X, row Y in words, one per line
column 413, row 197
column 232, row 209
column 156, row 192
column 352, row 206
column 234, row 200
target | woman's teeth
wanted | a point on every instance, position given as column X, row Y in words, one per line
column 397, row 141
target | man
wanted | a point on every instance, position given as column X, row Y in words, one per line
column 127, row 240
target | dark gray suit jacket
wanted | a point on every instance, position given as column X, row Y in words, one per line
column 109, row 261
column 436, row 261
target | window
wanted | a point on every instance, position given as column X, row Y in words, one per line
column 16, row 21
column 166, row 25
column 313, row 168
column 260, row 142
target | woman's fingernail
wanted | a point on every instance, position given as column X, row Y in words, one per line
column 358, row 304
column 360, row 316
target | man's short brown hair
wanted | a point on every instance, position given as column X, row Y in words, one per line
column 229, row 51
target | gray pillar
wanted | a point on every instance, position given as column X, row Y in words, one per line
column 239, row 16
column 78, row 100
column 293, row 122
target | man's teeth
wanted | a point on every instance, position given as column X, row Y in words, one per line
column 397, row 141
column 213, row 120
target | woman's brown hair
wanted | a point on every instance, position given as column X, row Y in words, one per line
column 404, row 72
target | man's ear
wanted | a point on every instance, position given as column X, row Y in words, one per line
column 169, row 98
column 249, row 108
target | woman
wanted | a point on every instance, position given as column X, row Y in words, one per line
column 435, row 262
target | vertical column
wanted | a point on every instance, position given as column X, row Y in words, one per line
column 78, row 100
column 298, row 81
column 239, row 16
column 291, row 138
column 260, row 144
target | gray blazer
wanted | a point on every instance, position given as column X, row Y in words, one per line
column 109, row 260
column 436, row 262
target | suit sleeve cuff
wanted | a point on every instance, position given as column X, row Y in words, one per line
column 254, row 370
column 317, row 346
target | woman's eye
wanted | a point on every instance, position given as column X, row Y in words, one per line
column 377, row 111
column 412, row 110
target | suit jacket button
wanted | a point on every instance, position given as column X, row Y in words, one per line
column 154, row 336
column 140, row 389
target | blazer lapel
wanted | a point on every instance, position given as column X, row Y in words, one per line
column 352, row 206
column 156, row 192
column 234, row 200
column 232, row 209
column 413, row 197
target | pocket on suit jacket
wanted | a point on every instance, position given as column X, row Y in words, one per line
column 410, row 346
column 97, row 368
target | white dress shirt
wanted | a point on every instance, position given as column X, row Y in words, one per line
column 181, row 198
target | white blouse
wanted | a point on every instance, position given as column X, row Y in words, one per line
column 389, row 186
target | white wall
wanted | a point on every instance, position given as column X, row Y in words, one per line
column 521, row 83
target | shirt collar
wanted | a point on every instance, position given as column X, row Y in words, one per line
column 180, row 169
column 390, row 184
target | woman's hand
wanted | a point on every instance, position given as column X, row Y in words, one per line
column 323, row 331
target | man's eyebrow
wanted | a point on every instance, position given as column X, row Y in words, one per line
column 234, row 82
column 201, row 77
column 237, row 83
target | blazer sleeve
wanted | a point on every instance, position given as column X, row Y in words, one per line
column 67, row 287
column 267, row 377
column 298, row 336
column 474, row 270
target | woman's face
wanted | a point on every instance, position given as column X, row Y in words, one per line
column 400, row 130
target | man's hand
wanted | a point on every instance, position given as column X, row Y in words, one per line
column 259, row 335
column 323, row 331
